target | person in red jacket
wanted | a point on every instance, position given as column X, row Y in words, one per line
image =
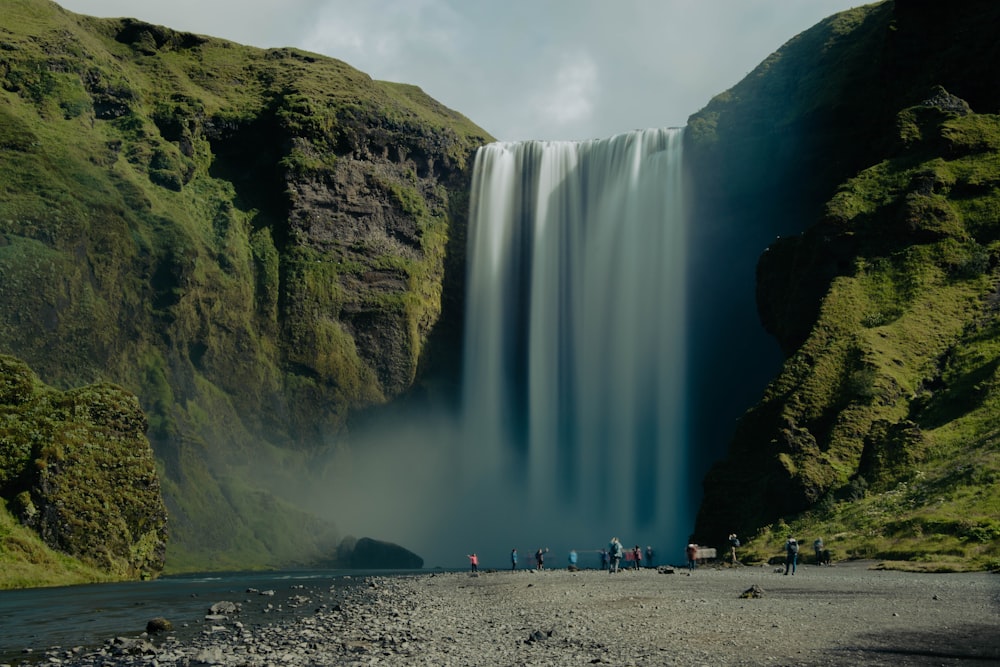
column 692, row 555
column 474, row 562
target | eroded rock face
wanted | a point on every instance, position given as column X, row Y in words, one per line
column 79, row 470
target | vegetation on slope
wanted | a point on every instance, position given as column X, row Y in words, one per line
column 75, row 468
column 253, row 241
column 879, row 433
column 883, row 423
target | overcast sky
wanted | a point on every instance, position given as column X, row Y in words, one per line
column 520, row 69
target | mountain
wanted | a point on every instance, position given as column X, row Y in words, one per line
column 865, row 155
column 253, row 242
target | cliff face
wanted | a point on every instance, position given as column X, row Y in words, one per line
column 255, row 242
column 76, row 467
column 881, row 161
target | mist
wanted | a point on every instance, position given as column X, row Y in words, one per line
column 420, row 482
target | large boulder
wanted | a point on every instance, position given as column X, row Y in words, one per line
column 378, row 555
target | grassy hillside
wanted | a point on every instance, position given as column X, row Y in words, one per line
column 27, row 561
column 253, row 241
column 879, row 431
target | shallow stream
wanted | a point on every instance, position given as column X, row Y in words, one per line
column 37, row 619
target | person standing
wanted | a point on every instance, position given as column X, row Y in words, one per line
column 604, row 559
column 791, row 554
column 637, row 557
column 615, row 552
column 733, row 543
column 649, row 556
column 474, row 562
column 513, row 559
column 692, row 555
column 818, row 548
column 540, row 559
column 572, row 560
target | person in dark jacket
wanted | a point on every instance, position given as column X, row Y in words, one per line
column 791, row 554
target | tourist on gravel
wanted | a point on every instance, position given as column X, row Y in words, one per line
column 513, row 559
column 540, row 559
column 637, row 556
column 733, row 543
column 572, row 560
column 791, row 554
column 604, row 559
column 818, row 548
column 692, row 555
column 649, row 556
column 616, row 551
column 474, row 562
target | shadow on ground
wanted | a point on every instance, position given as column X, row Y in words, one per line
column 977, row 643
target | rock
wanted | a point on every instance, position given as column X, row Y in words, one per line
column 754, row 591
column 537, row 636
column 224, row 607
column 210, row 656
column 942, row 99
column 158, row 624
column 375, row 554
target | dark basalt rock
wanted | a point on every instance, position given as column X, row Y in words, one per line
column 375, row 554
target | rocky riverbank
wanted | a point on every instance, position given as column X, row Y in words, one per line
column 846, row 614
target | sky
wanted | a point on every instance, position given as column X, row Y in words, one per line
column 520, row 69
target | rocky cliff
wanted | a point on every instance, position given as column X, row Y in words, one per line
column 77, row 469
column 864, row 154
column 254, row 242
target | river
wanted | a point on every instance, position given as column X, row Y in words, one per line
column 36, row 619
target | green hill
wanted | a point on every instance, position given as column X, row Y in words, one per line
column 876, row 141
column 254, row 242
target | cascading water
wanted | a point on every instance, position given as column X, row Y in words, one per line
column 574, row 384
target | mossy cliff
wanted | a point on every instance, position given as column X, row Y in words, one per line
column 871, row 145
column 77, row 469
column 254, row 242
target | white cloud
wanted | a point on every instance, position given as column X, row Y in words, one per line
column 645, row 63
column 388, row 43
column 570, row 98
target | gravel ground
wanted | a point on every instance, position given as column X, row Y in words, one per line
column 847, row 614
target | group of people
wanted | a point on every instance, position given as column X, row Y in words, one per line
column 615, row 553
column 792, row 553
column 539, row 558
column 611, row 558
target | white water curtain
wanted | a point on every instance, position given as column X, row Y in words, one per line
column 574, row 360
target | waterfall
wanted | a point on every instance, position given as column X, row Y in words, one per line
column 574, row 362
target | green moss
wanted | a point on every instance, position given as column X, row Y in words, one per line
column 78, row 470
